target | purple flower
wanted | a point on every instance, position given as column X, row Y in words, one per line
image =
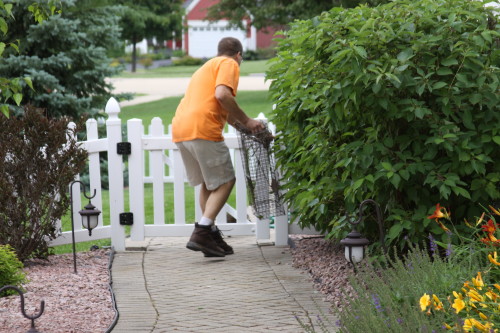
column 432, row 244
column 449, row 250
column 376, row 302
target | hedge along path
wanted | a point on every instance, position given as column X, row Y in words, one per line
column 398, row 103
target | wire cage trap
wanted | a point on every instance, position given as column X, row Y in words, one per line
column 261, row 176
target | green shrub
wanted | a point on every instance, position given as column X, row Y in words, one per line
column 399, row 103
column 146, row 61
column 11, row 272
column 178, row 53
column 187, row 61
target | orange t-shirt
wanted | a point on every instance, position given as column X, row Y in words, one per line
column 199, row 114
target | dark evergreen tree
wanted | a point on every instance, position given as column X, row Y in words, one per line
column 65, row 56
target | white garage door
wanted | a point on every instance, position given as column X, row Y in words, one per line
column 204, row 37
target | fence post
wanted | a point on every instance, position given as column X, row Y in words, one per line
column 115, row 174
column 136, row 178
column 94, row 169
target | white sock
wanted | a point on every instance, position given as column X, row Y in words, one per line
column 206, row 221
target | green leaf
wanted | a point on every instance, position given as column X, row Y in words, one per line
column 405, row 55
column 395, row 180
column 361, row 51
column 461, row 191
column 449, row 61
column 28, row 81
column 357, row 184
column 496, row 139
column 445, row 191
column 387, row 166
column 3, row 26
column 395, row 231
column 8, row 9
column 487, row 36
column 18, row 98
column 404, row 174
column 2, row 48
column 439, row 85
column 476, row 98
column 4, row 108
column 421, row 112
column 444, row 71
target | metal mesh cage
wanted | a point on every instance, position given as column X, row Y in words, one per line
column 261, row 176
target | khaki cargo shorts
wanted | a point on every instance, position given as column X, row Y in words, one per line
column 206, row 162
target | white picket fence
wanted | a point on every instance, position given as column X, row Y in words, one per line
column 165, row 166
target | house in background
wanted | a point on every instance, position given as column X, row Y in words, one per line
column 200, row 37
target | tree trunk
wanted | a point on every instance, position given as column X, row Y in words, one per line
column 134, row 56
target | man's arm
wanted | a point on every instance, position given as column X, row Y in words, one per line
column 224, row 96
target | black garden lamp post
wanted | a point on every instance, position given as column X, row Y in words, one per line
column 355, row 242
column 90, row 217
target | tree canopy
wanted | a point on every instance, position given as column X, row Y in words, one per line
column 277, row 13
column 158, row 19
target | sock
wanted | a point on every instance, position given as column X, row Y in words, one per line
column 206, row 221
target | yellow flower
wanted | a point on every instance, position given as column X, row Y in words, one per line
column 425, row 301
column 478, row 281
column 494, row 210
column 468, row 324
column 491, row 295
column 482, row 327
column 492, row 257
column 447, row 326
column 480, row 220
column 438, row 305
column 475, row 295
column 497, row 286
column 471, row 323
column 483, row 316
column 458, row 304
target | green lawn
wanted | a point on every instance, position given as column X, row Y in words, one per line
column 247, row 68
column 252, row 102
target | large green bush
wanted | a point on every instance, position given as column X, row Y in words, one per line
column 398, row 103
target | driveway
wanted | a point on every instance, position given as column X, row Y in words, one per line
column 158, row 88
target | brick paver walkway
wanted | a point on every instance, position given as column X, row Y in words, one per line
column 168, row 288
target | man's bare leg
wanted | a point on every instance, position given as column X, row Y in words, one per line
column 211, row 202
column 204, row 194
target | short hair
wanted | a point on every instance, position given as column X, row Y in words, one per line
column 229, row 46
